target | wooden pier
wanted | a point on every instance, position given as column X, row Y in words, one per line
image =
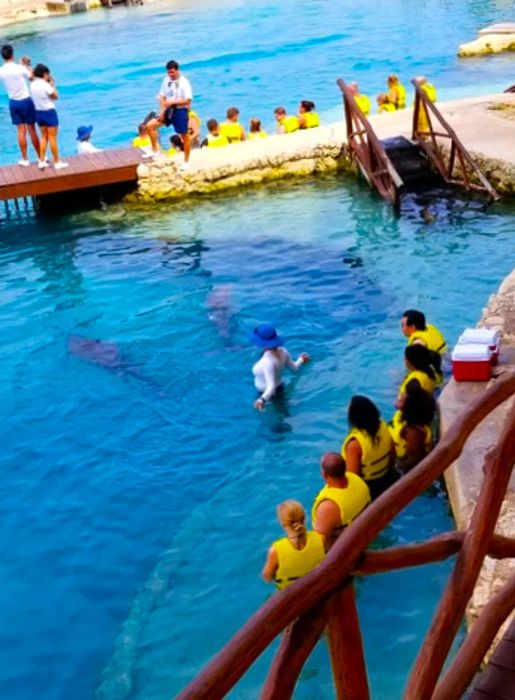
column 109, row 167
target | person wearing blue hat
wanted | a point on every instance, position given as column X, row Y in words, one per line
column 84, row 144
column 268, row 370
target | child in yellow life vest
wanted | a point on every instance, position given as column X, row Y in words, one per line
column 298, row 553
column 214, row 139
column 308, row 118
column 142, row 140
column 232, row 129
column 255, row 130
column 362, row 101
column 410, row 427
column 286, row 124
column 396, row 92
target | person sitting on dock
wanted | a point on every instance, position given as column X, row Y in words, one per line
column 418, row 332
column 255, row 130
column 175, row 98
column 424, row 367
column 368, row 449
column 176, row 145
column 308, row 118
column 344, row 496
column 84, row 145
column 214, row 139
column 194, row 125
column 232, row 129
column 286, row 124
column 423, row 122
column 384, row 104
column 298, row 553
column 362, row 101
column 396, row 92
column 44, row 93
column 21, row 107
column 411, row 427
column 142, row 140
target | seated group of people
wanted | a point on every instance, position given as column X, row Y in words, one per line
column 372, row 457
column 395, row 96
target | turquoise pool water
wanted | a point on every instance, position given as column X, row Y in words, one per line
column 138, row 500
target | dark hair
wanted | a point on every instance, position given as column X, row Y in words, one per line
column 423, row 359
column 307, row 105
column 232, row 112
column 177, row 141
column 415, row 318
column 334, row 465
column 279, row 110
column 7, row 52
column 172, row 64
column 40, row 69
column 211, row 124
column 419, row 406
column 364, row 415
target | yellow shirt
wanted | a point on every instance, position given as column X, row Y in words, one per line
column 141, row 142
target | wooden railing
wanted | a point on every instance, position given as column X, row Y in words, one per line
column 457, row 167
column 325, row 598
column 366, row 149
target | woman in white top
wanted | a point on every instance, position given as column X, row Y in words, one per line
column 43, row 93
column 268, row 370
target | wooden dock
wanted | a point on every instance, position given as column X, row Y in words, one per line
column 107, row 167
column 497, row 681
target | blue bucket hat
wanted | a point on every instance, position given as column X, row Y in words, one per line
column 265, row 336
column 84, row 132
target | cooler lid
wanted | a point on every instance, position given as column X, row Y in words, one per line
column 479, row 335
column 471, row 352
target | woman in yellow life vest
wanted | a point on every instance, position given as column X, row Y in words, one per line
column 362, row 101
column 176, row 145
column 286, row 124
column 420, row 363
column 430, row 92
column 232, row 129
column 255, row 130
column 194, row 125
column 410, row 427
column 298, row 553
column 214, row 139
column 142, row 140
column 396, row 92
column 308, row 118
column 368, row 449
column 384, row 104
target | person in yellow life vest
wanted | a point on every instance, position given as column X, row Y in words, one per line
column 410, row 427
column 344, row 496
column 368, row 449
column 362, row 101
column 396, row 92
column 194, row 125
column 142, row 140
column 384, row 104
column 286, row 124
column 419, row 332
column 232, row 129
column 255, row 130
column 430, row 92
column 308, row 118
column 298, row 553
column 214, row 139
column 176, row 145
column 423, row 366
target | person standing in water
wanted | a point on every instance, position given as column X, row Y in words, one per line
column 268, row 370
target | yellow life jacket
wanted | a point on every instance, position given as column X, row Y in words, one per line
column 232, row 131
column 432, row 339
column 396, row 427
column 387, row 107
column 311, row 120
column 424, row 380
column 141, row 142
column 351, row 500
column 363, row 103
column 400, row 102
column 171, row 151
column 295, row 563
column 257, row 135
column 430, row 91
column 375, row 458
column 217, row 141
column 290, row 123
column 195, row 116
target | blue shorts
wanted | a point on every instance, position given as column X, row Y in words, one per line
column 178, row 118
column 22, row 111
column 47, row 117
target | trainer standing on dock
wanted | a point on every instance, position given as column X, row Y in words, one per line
column 175, row 98
column 23, row 114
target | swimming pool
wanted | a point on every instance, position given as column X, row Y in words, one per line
column 138, row 500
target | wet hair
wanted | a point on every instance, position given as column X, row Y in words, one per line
column 7, row 52
column 172, row 64
column 415, row 318
column 423, row 359
column 40, row 70
column 307, row 105
column 232, row 112
column 177, row 141
column 279, row 110
column 419, row 406
column 255, row 125
column 334, row 465
column 292, row 516
column 364, row 415
column 211, row 124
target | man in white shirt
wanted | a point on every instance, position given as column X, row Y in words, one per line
column 84, row 145
column 175, row 98
column 21, row 107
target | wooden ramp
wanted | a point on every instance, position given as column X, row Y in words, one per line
column 497, row 681
column 104, row 168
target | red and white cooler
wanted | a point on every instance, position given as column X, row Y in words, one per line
column 471, row 362
column 482, row 336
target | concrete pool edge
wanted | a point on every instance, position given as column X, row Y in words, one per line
column 465, row 476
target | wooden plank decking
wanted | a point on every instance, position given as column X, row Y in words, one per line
column 104, row 168
column 497, row 681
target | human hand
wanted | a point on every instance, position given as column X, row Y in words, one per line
column 259, row 404
column 305, row 357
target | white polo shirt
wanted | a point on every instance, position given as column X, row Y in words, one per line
column 179, row 89
column 14, row 77
column 40, row 91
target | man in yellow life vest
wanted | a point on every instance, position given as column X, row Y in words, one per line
column 418, row 332
column 214, row 139
column 231, row 128
column 362, row 101
column 396, row 92
column 430, row 92
column 286, row 124
column 343, row 498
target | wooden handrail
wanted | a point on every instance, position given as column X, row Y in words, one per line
column 227, row 667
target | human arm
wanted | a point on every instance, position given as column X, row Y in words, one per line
column 51, row 89
column 242, row 132
column 193, row 128
column 301, row 360
column 272, row 379
column 328, row 520
column 271, row 566
column 352, row 456
column 415, row 448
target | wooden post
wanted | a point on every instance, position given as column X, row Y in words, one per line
column 346, row 646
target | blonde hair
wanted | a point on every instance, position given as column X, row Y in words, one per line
column 292, row 516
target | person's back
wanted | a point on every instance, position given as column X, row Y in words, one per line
column 411, row 427
column 232, row 129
